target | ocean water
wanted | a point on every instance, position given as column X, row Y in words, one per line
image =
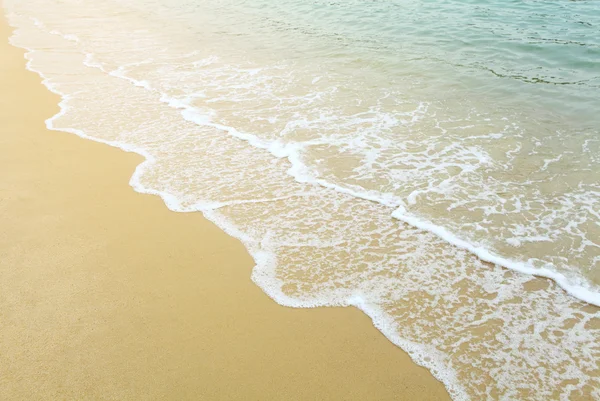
column 424, row 161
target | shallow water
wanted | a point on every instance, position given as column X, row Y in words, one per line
column 372, row 154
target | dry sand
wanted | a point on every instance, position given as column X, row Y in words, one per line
column 105, row 294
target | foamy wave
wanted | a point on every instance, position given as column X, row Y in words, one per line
column 574, row 284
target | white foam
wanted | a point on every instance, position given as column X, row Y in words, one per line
column 573, row 285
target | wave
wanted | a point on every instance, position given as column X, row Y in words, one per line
column 575, row 285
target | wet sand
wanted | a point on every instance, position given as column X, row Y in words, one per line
column 106, row 294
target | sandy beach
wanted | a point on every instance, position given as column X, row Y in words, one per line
column 106, row 294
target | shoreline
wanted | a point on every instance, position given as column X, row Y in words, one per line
column 108, row 294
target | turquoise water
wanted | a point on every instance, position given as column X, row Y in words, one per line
column 373, row 154
column 543, row 53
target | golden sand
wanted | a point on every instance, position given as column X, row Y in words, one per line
column 106, row 294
